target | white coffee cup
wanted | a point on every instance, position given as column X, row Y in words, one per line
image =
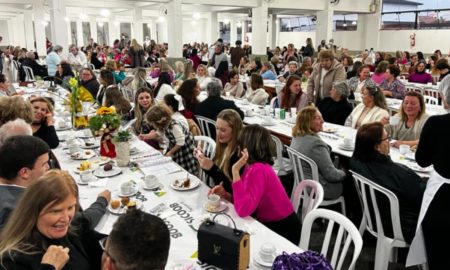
column 214, row 201
column 71, row 141
column 250, row 113
column 293, row 111
column 227, row 94
column 394, row 120
column 267, row 252
column 150, row 181
column 348, row 142
column 87, row 132
column 127, row 188
column 85, row 176
column 74, row 148
column 404, row 149
column 62, row 124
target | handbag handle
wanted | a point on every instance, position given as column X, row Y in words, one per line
column 234, row 224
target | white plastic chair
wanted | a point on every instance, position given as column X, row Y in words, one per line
column 414, row 88
column 273, row 102
column 367, row 191
column 299, row 163
column 346, row 234
column 15, row 66
column 431, row 92
column 431, row 100
column 29, row 74
column 311, row 193
column 205, row 125
column 282, row 165
column 89, row 65
column 208, row 147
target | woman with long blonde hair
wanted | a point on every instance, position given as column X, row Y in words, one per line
column 137, row 54
column 43, row 231
column 228, row 127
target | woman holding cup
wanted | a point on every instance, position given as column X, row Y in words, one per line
column 292, row 96
column 228, row 127
column 406, row 126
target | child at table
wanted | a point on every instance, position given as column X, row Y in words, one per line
column 259, row 192
column 177, row 140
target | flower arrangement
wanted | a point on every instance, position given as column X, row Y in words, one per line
column 104, row 123
column 80, row 102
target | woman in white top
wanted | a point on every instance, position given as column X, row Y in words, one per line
column 203, row 77
column 372, row 108
column 164, row 87
column 256, row 93
column 234, row 86
column 175, row 104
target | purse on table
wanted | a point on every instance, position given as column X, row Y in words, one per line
column 222, row 246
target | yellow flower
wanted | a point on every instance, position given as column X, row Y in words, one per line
column 106, row 110
column 73, row 82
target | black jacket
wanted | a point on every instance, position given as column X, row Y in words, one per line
column 335, row 112
column 212, row 106
column 406, row 185
column 38, row 70
column 92, row 86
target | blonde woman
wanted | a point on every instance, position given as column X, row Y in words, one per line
column 228, row 127
column 45, row 232
column 137, row 54
column 139, row 80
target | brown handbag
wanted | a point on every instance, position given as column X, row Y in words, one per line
column 222, row 246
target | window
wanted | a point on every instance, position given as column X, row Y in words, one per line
column 347, row 22
column 297, row 24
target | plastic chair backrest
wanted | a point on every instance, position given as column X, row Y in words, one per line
column 279, row 149
column 346, row 234
column 205, row 125
column 274, row 103
column 299, row 164
column 29, row 75
column 414, row 88
column 431, row 100
column 208, row 147
column 311, row 192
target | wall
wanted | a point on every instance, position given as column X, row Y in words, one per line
column 194, row 30
column 427, row 41
column 4, row 33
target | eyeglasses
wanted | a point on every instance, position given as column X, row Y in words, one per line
column 387, row 138
column 102, row 243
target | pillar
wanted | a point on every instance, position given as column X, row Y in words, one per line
column 243, row 25
column 153, row 31
column 138, row 27
column 29, row 35
column 93, row 26
column 80, row 39
column 213, row 28
column 259, row 30
column 113, row 29
column 233, row 31
column 324, row 27
column 273, row 31
column 369, row 22
column 39, row 28
column 162, row 31
column 58, row 24
column 175, row 21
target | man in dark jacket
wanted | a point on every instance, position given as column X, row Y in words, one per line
column 237, row 53
column 214, row 104
column 30, row 61
column 89, row 81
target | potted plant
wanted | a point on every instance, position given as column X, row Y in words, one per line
column 122, row 143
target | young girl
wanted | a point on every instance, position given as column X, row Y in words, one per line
column 258, row 191
column 175, row 104
column 180, row 141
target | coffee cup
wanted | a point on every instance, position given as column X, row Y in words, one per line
column 348, row 142
column 404, row 149
column 127, row 188
column 85, row 176
column 150, row 181
column 62, row 124
column 250, row 113
column 394, row 120
column 267, row 252
column 73, row 148
column 214, row 201
column 87, row 133
column 71, row 141
column 293, row 111
column 227, row 94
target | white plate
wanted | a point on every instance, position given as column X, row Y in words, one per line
column 100, row 160
column 268, row 123
column 57, row 128
column 123, row 210
column 223, row 206
column 78, row 181
column 259, row 261
column 77, row 171
column 100, row 172
column 151, row 188
column 417, row 168
column 83, row 155
column 344, row 147
column 194, row 183
column 94, row 145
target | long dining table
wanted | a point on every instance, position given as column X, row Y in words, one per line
column 182, row 210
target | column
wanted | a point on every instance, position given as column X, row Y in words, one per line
column 153, row 29
column 69, row 32
column 259, row 29
column 213, row 28
column 39, row 28
column 273, row 31
column 324, row 27
column 162, row 31
column 233, row 31
column 11, row 31
column 369, row 22
column 93, row 26
column 20, row 28
column 243, row 24
column 175, row 21
column 58, row 24
column 80, row 40
column 138, row 28
column 29, row 36
column 113, row 29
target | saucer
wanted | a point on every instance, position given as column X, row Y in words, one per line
column 264, row 123
column 345, row 147
column 100, row 172
column 259, row 261
column 59, row 128
column 92, row 179
column 152, row 187
column 222, row 207
column 129, row 194
column 82, row 155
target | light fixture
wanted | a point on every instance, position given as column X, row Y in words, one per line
column 354, row 22
column 105, row 13
column 44, row 23
column 345, row 25
column 226, row 21
column 239, row 24
column 249, row 25
column 100, row 24
column 196, row 15
column 66, row 19
column 83, row 16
